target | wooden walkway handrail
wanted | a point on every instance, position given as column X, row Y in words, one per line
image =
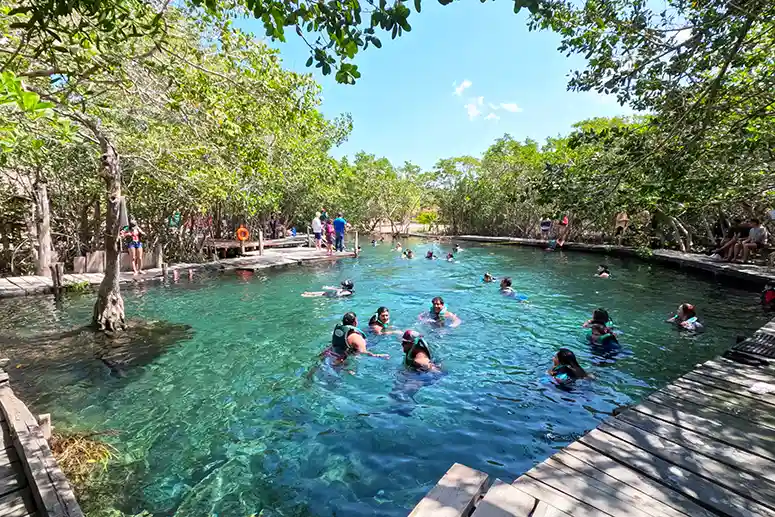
column 50, row 489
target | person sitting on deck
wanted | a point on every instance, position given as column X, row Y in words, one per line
column 417, row 353
column 602, row 271
column 738, row 230
column 757, row 239
column 546, row 227
column 347, row 339
column 439, row 315
column 566, row 368
column 686, row 318
column 379, row 323
column 347, row 289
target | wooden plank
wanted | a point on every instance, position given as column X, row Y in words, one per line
column 12, row 478
column 546, row 510
column 8, row 456
column 752, row 373
column 613, row 486
column 725, row 384
column 739, row 481
column 454, row 495
column 733, row 456
column 713, row 425
column 555, row 498
column 674, row 476
column 17, row 504
column 503, row 500
column 745, row 405
column 735, row 424
column 593, row 492
column 635, row 479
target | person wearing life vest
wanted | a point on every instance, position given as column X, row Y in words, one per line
column 379, row 323
column 686, row 318
column 507, row 290
column 347, row 339
column 439, row 315
column 487, row 278
column 417, row 353
column 600, row 317
column 566, row 368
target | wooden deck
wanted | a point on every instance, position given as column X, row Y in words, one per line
column 704, row 446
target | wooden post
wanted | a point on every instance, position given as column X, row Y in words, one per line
column 164, row 270
column 159, row 255
column 241, row 247
column 260, row 242
column 356, row 243
column 44, row 421
column 309, row 239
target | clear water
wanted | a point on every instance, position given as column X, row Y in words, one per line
column 240, row 418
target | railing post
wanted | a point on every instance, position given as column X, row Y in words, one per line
column 356, row 243
column 260, row 242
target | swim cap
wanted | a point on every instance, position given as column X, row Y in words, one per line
column 410, row 335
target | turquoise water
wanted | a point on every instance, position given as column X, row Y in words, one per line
column 240, row 418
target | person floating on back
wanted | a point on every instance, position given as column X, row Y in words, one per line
column 347, row 289
column 566, row 368
column 347, row 339
column 439, row 315
column 602, row 271
column 379, row 323
column 417, row 353
column 686, row 318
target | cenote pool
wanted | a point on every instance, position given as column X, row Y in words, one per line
column 236, row 418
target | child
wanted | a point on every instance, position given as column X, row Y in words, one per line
column 686, row 318
column 450, row 257
column 599, row 316
column 602, row 271
column 507, row 290
column 429, row 255
column 601, row 335
column 347, row 289
column 566, row 368
column 487, row 278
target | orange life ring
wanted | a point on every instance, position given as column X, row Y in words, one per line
column 242, row 233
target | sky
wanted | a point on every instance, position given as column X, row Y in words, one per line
column 465, row 75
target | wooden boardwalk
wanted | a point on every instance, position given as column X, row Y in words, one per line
column 704, row 446
column 31, row 285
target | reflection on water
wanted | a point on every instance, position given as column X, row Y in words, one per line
column 237, row 415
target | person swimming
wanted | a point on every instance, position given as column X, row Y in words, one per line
column 347, row 289
column 487, row 278
column 566, row 368
column 450, row 257
column 601, row 335
column 409, row 254
column 374, row 243
column 347, row 339
column 507, row 290
column 602, row 271
column 429, row 255
column 417, row 353
column 457, row 248
column 686, row 318
column 439, row 315
column 379, row 323
column 599, row 316
column 397, row 247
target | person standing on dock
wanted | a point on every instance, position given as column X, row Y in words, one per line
column 340, row 225
column 317, row 229
column 135, row 246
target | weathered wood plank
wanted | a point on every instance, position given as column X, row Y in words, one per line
column 555, row 498
column 8, row 456
column 725, row 395
column 735, row 425
column 720, row 451
column 724, row 383
column 613, row 486
column 504, row 500
column 546, row 510
column 675, row 477
column 741, row 482
column 752, row 373
column 12, row 478
column 17, row 504
column 591, row 491
column 713, row 425
column 454, row 495
column 635, row 479
column 738, row 407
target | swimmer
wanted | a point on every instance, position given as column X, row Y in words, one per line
column 599, row 316
column 439, row 315
column 487, row 278
column 409, row 254
column 602, row 271
column 417, row 353
column 347, row 289
column 429, row 255
column 450, row 257
column 457, row 248
column 686, row 318
column 348, row 340
column 566, row 368
column 768, row 298
column 380, row 322
column 374, row 243
column 397, row 247
column 507, row 290
column 602, row 335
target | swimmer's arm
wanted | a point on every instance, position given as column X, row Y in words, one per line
column 672, row 319
column 455, row 320
column 587, row 324
column 358, row 343
column 424, row 362
column 310, row 294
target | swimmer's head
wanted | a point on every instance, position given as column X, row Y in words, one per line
column 348, row 284
column 600, row 316
column 383, row 314
column 437, row 304
column 598, row 329
column 687, row 311
column 488, row 277
column 566, row 357
column 429, row 254
column 350, row 319
column 410, row 253
column 409, row 338
column 506, row 283
column 602, row 268
column 450, row 255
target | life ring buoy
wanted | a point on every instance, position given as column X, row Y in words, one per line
column 242, row 233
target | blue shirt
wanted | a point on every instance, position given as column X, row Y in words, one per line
column 339, row 224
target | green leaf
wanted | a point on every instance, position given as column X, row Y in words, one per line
column 417, row 5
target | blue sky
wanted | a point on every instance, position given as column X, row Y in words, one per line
column 466, row 74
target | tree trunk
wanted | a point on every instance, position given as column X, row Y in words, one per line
column 97, row 221
column 32, row 230
column 43, row 226
column 677, row 232
column 109, row 308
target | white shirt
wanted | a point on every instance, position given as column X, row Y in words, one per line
column 758, row 234
column 317, row 226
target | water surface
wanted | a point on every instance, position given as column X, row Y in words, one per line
column 240, row 418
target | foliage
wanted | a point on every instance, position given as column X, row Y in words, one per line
column 80, row 456
column 78, row 287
